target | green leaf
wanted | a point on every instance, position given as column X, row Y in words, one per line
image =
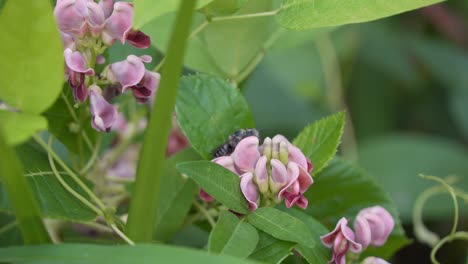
column 281, row 225
column 319, row 140
column 142, row 213
column 22, row 199
column 227, row 48
column 54, row 200
column 396, row 160
column 232, row 236
column 270, row 249
column 63, row 125
column 10, row 234
column 218, row 182
column 305, row 14
column 119, row 254
column 19, row 127
column 317, row 253
column 223, row 7
column 32, row 62
column 343, row 190
column 176, row 196
column 147, row 10
column 209, row 110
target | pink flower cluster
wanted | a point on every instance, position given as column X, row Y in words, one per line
column 373, row 225
column 87, row 29
column 269, row 173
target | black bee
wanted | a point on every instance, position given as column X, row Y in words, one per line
column 228, row 147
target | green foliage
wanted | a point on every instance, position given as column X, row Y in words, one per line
column 218, row 182
column 281, row 225
column 232, row 236
column 209, row 110
column 304, row 14
column 18, row 127
column 341, row 190
column 270, row 249
column 147, row 10
column 32, row 61
column 176, row 196
column 397, row 160
column 223, row 7
column 96, row 254
column 320, row 140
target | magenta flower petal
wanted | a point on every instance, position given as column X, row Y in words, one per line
column 146, row 87
column 138, row 39
column 76, row 62
column 205, row 196
column 340, row 240
column 375, row 221
column 296, row 155
column 103, row 114
column 119, row 23
column 70, row 15
column 226, row 162
column 128, row 72
column 249, row 190
column 246, row 154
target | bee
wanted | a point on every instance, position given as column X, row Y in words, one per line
column 229, row 145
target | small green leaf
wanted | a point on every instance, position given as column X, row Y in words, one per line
column 223, row 7
column 320, row 140
column 270, row 249
column 119, row 254
column 147, row 10
column 232, row 236
column 19, row 127
column 176, row 196
column 281, row 225
column 346, row 189
column 305, row 14
column 31, row 68
column 317, row 253
column 218, row 182
column 209, row 110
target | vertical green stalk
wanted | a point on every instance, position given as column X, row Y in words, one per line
column 21, row 197
column 142, row 212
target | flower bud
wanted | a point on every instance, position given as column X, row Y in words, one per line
column 373, row 225
column 261, row 174
column 340, row 240
column 103, row 114
column 267, row 149
column 279, row 176
column 374, row 260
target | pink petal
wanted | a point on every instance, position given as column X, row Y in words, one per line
column 261, row 174
column 205, row 196
column 107, row 6
column 147, row 86
column 138, row 39
column 249, row 190
column 227, row 162
column 103, row 114
column 128, row 72
column 292, row 186
column 70, row 15
column 296, row 155
column 279, row 175
column 328, row 239
column 363, row 232
column 76, row 62
column 246, row 154
column 304, row 179
column 119, row 23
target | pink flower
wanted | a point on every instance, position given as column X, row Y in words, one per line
column 374, row 260
column 250, row 190
column 118, row 26
column 340, row 240
column 77, row 68
column 131, row 74
column 373, row 225
column 78, row 17
column 103, row 114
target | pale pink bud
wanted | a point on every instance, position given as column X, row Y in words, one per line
column 373, row 225
column 374, row 260
column 246, row 154
column 279, row 176
column 103, row 114
column 267, row 148
column 340, row 240
column 261, row 174
column 250, row 190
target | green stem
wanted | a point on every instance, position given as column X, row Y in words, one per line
column 335, row 92
column 7, row 227
column 458, row 235
column 122, row 235
column 205, row 213
column 94, row 156
column 22, row 199
column 421, row 232
column 142, row 213
column 70, row 172
column 244, row 16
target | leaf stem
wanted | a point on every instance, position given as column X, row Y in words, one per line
column 75, row 118
column 122, row 235
column 142, row 213
column 8, row 226
column 244, row 16
column 205, row 213
column 94, row 156
column 458, row 235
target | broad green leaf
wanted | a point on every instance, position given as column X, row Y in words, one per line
column 10, row 234
column 317, row 253
column 209, row 110
column 176, row 196
column 305, row 14
column 19, row 127
column 270, row 249
column 396, row 160
column 223, row 7
column 281, row 225
column 227, row 48
column 54, row 200
column 232, row 236
column 319, row 141
column 218, row 182
column 32, row 62
column 119, row 254
column 342, row 190
column 147, row 10
column 63, row 125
